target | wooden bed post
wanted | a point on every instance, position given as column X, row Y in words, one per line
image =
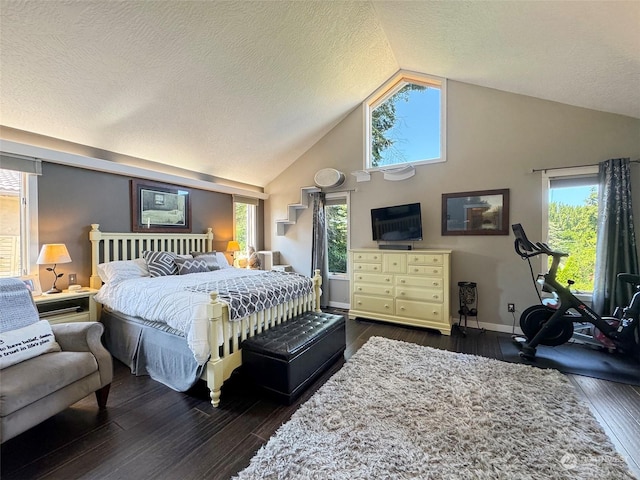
column 209, row 235
column 215, row 367
column 95, row 235
column 317, row 290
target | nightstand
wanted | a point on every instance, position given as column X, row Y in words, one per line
column 74, row 306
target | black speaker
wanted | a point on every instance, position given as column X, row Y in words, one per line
column 394, row 247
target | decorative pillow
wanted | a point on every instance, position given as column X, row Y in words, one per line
column 209, row 257
column 160, row 263
column 114, row 272
column 27, row 342
column 190, row 265
column 17, row 309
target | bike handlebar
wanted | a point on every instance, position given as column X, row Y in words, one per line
column 526, row 249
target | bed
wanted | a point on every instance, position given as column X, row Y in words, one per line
column 218, row 320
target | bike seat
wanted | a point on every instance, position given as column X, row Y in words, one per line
column 629, row 278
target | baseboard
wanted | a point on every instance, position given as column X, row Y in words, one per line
column 494, row 327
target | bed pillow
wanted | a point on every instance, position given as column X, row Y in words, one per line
column 222, row 260
column 27, row 342
column 160, row 264
column 209, row 257
column 190, row 265
column 114, row 272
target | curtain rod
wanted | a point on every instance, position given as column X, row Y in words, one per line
column 534, row 170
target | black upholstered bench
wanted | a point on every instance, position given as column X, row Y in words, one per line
column 288, row 357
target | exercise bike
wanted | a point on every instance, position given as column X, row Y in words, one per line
column 552, row 323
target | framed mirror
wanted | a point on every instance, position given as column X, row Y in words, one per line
column 159, row 207
column 476, row 213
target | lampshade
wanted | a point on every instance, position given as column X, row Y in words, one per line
column 233, row 246
column 53, row 253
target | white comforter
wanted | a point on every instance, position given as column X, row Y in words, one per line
column 164, row 299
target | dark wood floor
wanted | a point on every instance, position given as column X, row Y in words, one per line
column 150, row 431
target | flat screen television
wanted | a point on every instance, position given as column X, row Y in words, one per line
column 401, row 222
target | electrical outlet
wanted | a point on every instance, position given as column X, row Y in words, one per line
column 511, row 307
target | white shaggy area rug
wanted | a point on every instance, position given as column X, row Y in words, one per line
column 398, row 410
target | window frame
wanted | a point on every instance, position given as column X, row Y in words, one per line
column 28, row 223
column 547, row 176
column 389, row 88
column 252, row 221
column 347, row 202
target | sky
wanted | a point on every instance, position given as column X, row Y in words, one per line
column 417, row 128
column 570, row 195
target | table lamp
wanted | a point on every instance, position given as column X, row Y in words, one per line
column 233, row 247
column 53, row 253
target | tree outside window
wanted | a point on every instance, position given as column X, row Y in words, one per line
column 337, row 237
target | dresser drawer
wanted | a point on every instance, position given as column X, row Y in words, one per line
column 427, row 282
column 426, row 294
column 369, row 289
column 395, row 263
column 372, row 278
column 373, row 304
column 420, row 310
column 370, row 257
column 425, row 259
column 367, row 267
column 425, row 270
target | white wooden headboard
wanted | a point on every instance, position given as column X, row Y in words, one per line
column 109, row 247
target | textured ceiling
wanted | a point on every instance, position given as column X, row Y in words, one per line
column 241, row 89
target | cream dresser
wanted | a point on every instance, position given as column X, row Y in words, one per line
column 407, row 287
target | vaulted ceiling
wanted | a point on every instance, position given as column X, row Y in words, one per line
column 240, row 89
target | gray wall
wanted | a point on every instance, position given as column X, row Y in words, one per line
column 70, row 199
column 495, row 139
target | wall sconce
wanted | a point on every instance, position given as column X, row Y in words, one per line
column 53, row 253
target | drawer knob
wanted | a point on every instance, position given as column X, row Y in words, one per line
column 360, row 288
column 435, row 284
column 436, row 297
column 402, row 308
column 359, row 303
column 401, row 293
column 387, row 291
column 435, row 271
column 387, row 279
column 435, row 312
column 403, row 281
column 375, row 268
column 395, row 263
column 415, row 259
column 434, row 260
column 416, row 270
column 386, row 306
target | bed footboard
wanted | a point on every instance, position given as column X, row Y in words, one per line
column 225, row 359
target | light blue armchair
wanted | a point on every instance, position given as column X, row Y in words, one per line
column 35, row 389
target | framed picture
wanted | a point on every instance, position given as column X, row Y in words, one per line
column 33, row 284
column 476, row 213
column 159, row 208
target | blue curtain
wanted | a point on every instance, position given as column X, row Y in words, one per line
column 616, row 241
column 319, row 259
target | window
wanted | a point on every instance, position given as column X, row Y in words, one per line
column 337, row 215
column 572, row 218
column 19, row 219
column 405, row 122
column 245, row 222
